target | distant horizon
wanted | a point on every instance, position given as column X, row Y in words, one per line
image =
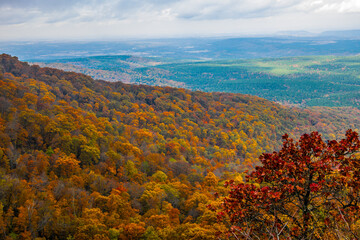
column 279, row 34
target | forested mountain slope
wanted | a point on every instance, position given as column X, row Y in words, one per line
column 86, row 159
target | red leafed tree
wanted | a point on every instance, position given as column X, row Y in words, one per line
column 307, row 190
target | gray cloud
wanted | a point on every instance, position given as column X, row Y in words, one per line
column 198, row 9
column 37, row 10
column 114, row 18
column 45, row 5
column 51, row 11
column 237, row 9
column 16, row 16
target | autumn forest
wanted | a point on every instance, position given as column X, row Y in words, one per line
column 89, row 159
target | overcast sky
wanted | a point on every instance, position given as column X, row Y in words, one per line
column 118, row 19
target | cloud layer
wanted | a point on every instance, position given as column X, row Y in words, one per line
column 138, row 13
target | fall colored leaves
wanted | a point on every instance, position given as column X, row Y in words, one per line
column 307, row 190
column 85, row 159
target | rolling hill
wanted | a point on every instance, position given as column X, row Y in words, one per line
column 306, row 81
column 86, row 159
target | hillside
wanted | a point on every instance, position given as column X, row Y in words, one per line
column 307, row 81
column 86, row 159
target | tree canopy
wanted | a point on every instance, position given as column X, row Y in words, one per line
column 307, row 190
column 86, row 159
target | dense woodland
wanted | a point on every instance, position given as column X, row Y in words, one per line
column 307, row 81
column 86, row 159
